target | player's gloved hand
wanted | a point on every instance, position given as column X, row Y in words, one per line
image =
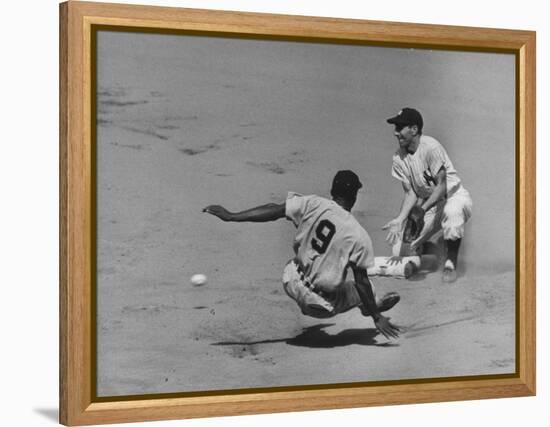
column 218, row 211
column 415, row 224
column 385, row 327
column 394, row 227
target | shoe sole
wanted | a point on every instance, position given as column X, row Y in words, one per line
column 388, row 301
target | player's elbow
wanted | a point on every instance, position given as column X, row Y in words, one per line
column 442, row 185
column 274, row 211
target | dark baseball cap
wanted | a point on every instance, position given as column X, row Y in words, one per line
column 407, row 116
column 345, row 182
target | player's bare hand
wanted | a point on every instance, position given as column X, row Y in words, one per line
column 218, row 211
column 394, row 227
column 386, row 328
column 394, row 260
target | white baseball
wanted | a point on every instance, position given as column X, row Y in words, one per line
column 198, row 279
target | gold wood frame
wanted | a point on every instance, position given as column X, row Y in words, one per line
column 78, row 405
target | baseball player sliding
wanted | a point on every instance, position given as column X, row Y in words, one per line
column 328, row 241
column 434, row 196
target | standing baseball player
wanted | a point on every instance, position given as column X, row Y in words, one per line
column 328, row 241
column 434, row 196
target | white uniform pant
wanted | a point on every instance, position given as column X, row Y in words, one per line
column 449, row 216
column 320, row 304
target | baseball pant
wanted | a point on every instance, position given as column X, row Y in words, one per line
column 316, row 303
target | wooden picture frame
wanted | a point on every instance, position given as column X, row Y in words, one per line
column 78, row 403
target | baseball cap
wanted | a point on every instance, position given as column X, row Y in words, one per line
column 345, row 181
column 407, row 116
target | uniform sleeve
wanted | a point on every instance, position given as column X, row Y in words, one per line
column 398, row 171
column 436, row 158
column 295, row 207
column 362, row 254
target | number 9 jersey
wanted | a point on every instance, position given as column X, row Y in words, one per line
column 328, row 241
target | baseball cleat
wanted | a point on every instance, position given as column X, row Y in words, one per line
column 449, row 275
column 388, row 301
column 449, row 272
column 409, row 270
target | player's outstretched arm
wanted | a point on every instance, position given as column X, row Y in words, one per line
column 263, row 213
column 364, row 288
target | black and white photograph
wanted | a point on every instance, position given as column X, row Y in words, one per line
column 282, row 213
column 271, row 213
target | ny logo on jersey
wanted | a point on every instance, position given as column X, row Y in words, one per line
column 428, row 177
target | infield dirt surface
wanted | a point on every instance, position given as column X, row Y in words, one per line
column 187, row 122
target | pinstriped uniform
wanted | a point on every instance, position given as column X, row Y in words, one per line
column 419, row 170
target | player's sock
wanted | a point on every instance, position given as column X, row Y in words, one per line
column 449, row 265
column 449, row 270
column 452, row 250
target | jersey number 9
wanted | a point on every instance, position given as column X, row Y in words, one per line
column 324, row 233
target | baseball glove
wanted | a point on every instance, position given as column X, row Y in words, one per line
column 415, row 224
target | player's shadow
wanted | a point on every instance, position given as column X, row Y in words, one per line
column 315, row 337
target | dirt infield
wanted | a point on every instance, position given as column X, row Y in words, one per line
column 178, row 338
column 180, row 128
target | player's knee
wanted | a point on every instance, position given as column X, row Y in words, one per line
column 453, row 232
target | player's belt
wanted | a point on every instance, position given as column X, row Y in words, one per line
column 450, row 193
column 305, row 281
column 454, row 190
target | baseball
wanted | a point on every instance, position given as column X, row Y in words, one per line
column 198, row 279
